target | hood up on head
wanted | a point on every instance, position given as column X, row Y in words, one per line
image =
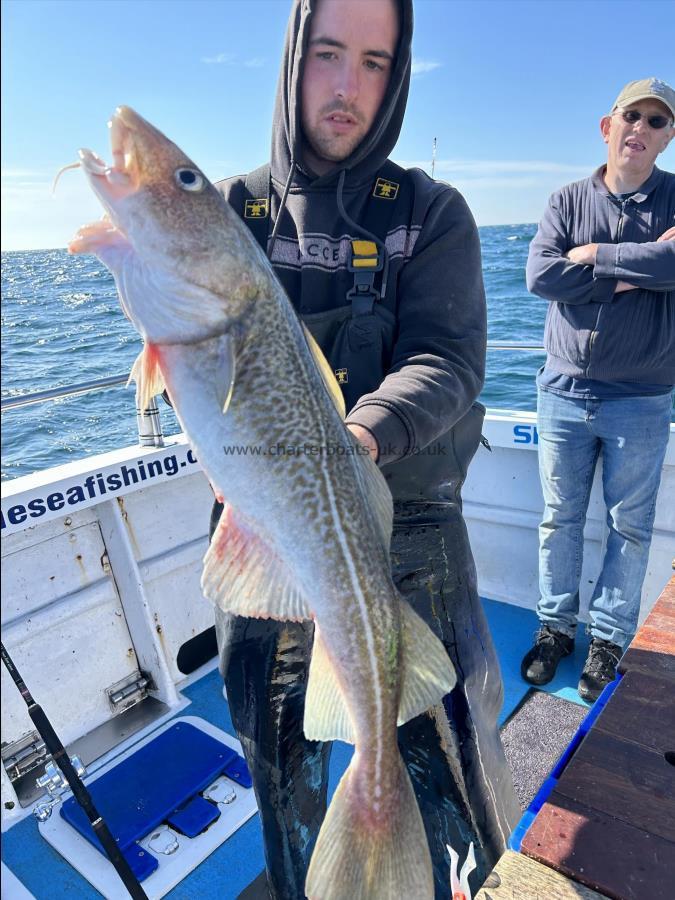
column 287, row 141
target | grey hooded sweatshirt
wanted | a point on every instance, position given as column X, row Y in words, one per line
column 420, row 386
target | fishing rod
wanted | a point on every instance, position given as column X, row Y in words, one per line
column 80, row 792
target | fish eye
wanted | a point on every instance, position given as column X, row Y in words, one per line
column 190, row 180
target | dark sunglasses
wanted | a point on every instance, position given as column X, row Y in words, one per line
column 632, row 116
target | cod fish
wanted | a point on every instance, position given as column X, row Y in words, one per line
column 307, row 522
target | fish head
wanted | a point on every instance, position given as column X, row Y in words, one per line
column 186, row 267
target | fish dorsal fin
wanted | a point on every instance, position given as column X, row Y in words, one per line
column 147, row 375
column 377, row 496
column 244, row 575
column 326, row 373
column 427, row 674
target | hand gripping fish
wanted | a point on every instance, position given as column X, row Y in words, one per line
column 307, row 523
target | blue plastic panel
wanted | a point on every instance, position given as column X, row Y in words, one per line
column 141, row 863
column 143, row 790
column 194, row 817
column 238, row 771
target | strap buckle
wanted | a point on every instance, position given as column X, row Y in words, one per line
column 366, row 260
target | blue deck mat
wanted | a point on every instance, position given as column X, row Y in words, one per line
column 236, row 863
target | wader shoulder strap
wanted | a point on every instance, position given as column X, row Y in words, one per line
column 392, row 189
column 252, row 203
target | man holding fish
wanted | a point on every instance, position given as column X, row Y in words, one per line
column 330, row 626
column 410, row 364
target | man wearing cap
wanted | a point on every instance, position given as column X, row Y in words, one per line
column 604, row 258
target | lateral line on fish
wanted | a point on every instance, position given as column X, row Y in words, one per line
column 363, row 612
column 364, row 617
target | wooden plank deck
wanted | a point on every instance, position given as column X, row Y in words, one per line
column 516, row 877
column 610, row 822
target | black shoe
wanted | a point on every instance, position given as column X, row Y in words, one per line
column 539, row 663
column 600, row 668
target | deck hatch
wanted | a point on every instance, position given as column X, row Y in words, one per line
column 156, row 782
column 165, row 800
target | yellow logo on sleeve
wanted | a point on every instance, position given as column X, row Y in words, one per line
column 342, row 376
column 387, row 190
column 256, row 209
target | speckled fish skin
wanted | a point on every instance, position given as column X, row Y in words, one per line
column 306, row 527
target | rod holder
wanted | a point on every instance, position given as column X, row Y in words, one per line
column 150, row 426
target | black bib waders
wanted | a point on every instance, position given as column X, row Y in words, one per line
column 453, row 752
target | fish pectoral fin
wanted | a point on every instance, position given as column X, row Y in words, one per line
column 147, row 375
column 427, row 673
column 326, row 373
column 326, row 715
column 244, row 575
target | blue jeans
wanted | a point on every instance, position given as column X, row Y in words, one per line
column 632, row 435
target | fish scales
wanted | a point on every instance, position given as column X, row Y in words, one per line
column 307, row 521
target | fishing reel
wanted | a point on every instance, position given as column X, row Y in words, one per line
column 54, row 783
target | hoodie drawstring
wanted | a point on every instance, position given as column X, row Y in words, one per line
column 282, row 206
column 364, row 231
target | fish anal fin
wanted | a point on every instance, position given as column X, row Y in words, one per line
column 427, row 673
column 244, row 575
column 147, row 374
column 326, row 715
column 326, row 373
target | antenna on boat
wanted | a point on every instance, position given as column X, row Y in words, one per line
column 433, row 157
column 81, row 794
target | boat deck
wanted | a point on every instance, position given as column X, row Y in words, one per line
column 238, row 861
column 603, row 824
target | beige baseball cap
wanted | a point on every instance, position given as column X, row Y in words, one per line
column 647, row 89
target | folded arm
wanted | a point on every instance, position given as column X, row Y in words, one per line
column 595, row 272
column 650, row 265
column 554, row 275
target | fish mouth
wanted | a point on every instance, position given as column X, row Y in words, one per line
column 113, row 182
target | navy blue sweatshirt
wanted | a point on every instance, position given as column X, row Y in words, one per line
column 591, row 332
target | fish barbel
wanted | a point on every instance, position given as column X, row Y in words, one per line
column 307, row 521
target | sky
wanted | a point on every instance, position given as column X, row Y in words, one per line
column 512, row 92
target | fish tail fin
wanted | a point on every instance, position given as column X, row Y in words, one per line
column 360, row 855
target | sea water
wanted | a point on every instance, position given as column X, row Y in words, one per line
column 62, row 324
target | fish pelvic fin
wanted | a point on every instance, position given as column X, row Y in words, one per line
column 363, row 854
column 326, row 715
column 326, row 373
column 148, row 376
column 244, row 575
column 427, row 673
